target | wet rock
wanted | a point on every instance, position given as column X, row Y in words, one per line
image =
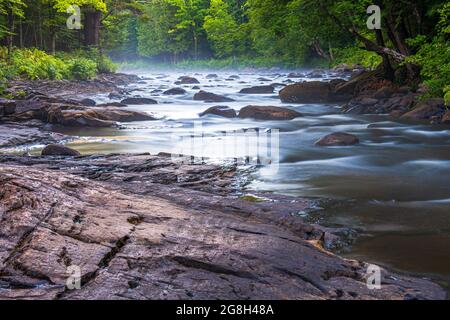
column 268, row 113
column 294, row 75
column 234, row 77
column 115, row 96
column 138, row 101
column 187, row 80
column 112, row 104
column 7, row 107
column 384, row 93
column 315, row 74
column 59, row 150
column 88, row 102
column 128, row 243
column 222, row 111
column 426, row 110
column 264, row 80
column 311, row 92
column 258, row 90
column 12, row 135
column 210, row 97
column 446, row 118
column 212, row 76
column 175, row 91
column 337, row 139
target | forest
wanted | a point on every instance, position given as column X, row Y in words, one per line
column 411, row 45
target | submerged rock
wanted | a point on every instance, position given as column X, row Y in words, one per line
column 222, row 111
column 258, row 90
column 59, row 150
column 138, row 101
column 337, row 139
column 210, row 97
column 268, row 113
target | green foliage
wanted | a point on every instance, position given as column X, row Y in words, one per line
column 434, row 57
column 35, row 64
column 356, row 55
column 83, row 69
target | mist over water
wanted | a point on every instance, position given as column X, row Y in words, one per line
column 394, row 186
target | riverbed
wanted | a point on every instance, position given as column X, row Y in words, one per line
column 394, row 186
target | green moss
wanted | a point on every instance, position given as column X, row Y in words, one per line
column 253, row 198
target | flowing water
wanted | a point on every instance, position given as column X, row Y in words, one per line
column 394, row 186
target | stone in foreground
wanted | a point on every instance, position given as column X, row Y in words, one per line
column 147, row 240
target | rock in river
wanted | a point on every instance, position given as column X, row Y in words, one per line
column 187, row 80
column 268, row 113
column 59, row 150
column 175, row 91
column 258, row 90
column 210, row 97
column 312, row 92
column 337, row 139
column 426, row 110
column 222, row 111
column 138, row 101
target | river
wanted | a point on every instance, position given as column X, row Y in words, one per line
column 394, row 186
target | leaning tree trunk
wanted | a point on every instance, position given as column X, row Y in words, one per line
column 92, row 28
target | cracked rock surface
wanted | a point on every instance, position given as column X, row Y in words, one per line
column 146, row 227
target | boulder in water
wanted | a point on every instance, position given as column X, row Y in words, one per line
column 311, row 92
column 426, row 109
column 175, row 91
column 187, row 80
column 59, row 150
column 337, row 139
column 222, row 111
column 138, row 101
column 210, row 97
column 268, row 113
column 258, row 90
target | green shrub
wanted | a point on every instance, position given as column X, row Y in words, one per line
column 35, row 64
column 83, row 69
column 434, row 60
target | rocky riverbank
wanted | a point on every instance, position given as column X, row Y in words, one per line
column 149, row 227
column 152, row 227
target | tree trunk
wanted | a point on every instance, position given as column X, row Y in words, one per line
column 92, row 28
column 10, row 37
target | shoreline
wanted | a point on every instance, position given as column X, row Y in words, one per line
column 314, row 238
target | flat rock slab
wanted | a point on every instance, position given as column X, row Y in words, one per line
column 179, row 243
column 13, row 135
